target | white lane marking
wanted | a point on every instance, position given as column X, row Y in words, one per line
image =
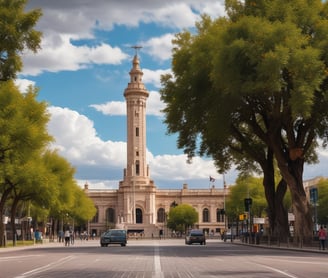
column 45, row 267
column 293, row 261
column 278, row 271
column 17, row 257
column 157, row 264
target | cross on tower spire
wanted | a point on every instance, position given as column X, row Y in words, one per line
column 136, row 48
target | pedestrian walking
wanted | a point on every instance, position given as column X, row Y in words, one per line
column 72, row 236
column 67, row 237
column 322, row 234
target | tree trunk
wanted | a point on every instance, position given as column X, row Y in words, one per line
column 281, row 221
column 55, row 228
column 303, row 218
column 3, row 200
column 293, row 175
column 277, row 214
column 269, row 190
column 13, row 222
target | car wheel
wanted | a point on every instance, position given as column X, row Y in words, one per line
column 123, row 244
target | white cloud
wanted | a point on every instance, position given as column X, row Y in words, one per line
column 154, row 104
column 176, row 13
column 23, row 84
column 154, row 76
column 81, row 17
column 65, row 56
column 179, row 169
column 99, row 184
column 118, row 108
column 77, row 140
column 65, row 21
column 212, row 8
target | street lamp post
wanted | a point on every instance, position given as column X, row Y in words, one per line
column 248, row 205
column 313, row 201
column 224, row 203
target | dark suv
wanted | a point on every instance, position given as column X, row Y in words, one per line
column 113, row 236
column 195, row 236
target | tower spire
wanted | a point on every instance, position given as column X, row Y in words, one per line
column 136, row 49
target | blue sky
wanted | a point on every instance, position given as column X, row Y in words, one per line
column 83, row 69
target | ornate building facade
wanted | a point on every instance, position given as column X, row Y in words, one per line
column 138, row 205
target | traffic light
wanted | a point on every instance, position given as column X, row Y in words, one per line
column 242, row 217
column 313, row 195
column 248, row 204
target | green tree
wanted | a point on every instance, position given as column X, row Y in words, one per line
column 17, row 34
column 252, row 87
column 181, row 217
column 246, row 187
column 61, row 199
column 65, row 183
column 33, row 182
column 24, row 136
column 83, row 208
column 322, row 205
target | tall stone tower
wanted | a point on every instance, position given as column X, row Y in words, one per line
column 137, row 190
column 136, row 96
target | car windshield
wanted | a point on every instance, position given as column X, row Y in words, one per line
column 118, row 233
column 196, row 233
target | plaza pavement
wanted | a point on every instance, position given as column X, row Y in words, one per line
column 95, row 243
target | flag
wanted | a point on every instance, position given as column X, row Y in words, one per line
column 212, row 179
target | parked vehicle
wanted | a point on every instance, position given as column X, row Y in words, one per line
column 228, row 236
column 113, row 236
column 195, row 236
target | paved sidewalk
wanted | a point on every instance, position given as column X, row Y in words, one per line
column 47, row 244
column 284, row 246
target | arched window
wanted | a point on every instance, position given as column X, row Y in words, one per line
column 161, row 215
column 110, row 215
column 138, row 216
column 95, row 218
column 206, row 215
column 219, row 215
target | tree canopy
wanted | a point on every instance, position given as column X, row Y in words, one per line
column 246, row 187
column 322, row 203
column 251, row 87
column 182, row 217
column 17, row 34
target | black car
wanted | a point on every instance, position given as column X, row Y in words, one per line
column 113, row 236
column 195, row 236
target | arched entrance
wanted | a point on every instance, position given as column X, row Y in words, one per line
column 138, row 216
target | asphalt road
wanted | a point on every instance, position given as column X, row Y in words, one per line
column 159, row 259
